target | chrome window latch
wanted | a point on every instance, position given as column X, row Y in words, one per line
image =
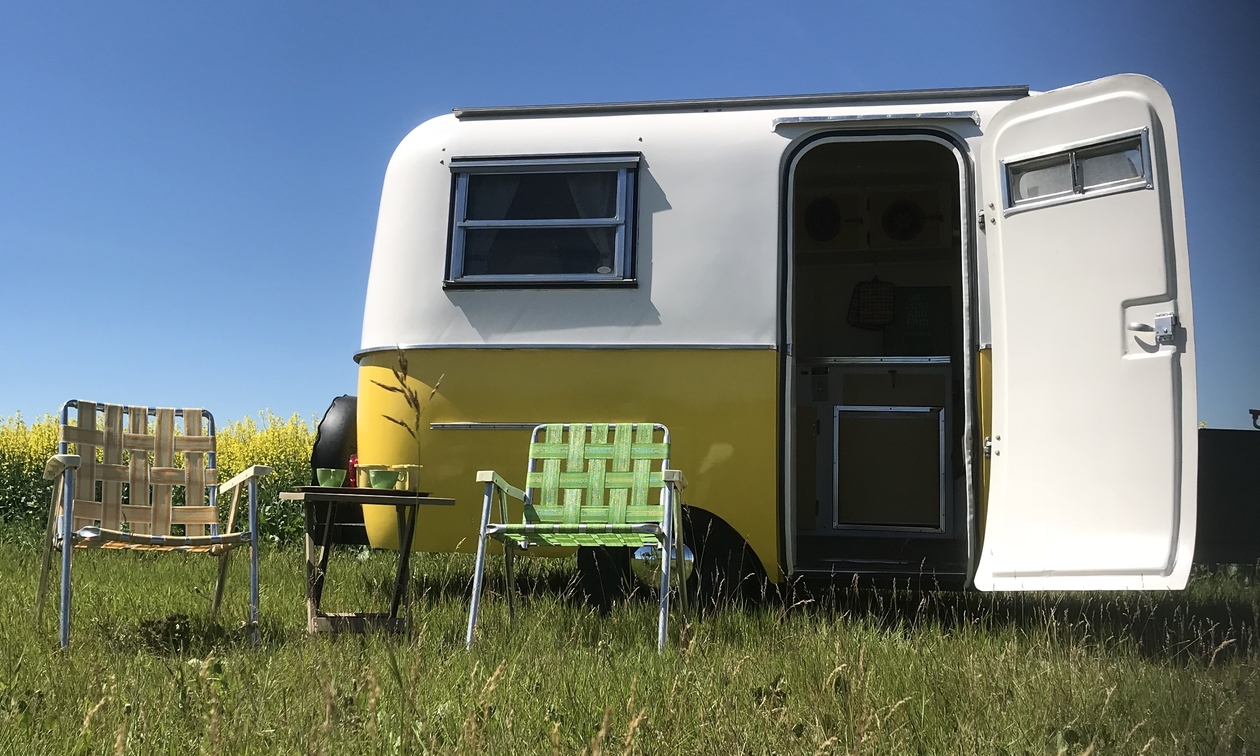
column 1165, row 325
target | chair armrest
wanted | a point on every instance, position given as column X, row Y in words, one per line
column 674, row 476
column 490, row 476
column 253, row 471
column 59, row 463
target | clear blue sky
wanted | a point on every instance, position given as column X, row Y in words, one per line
column 222, row 162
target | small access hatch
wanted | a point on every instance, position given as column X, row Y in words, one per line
column 889, row 467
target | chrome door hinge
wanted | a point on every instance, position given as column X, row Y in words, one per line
column 988, row 447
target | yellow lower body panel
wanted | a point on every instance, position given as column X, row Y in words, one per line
column 984, row 390
column 719, row 405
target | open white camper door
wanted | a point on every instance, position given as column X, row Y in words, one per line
column 1093, row 446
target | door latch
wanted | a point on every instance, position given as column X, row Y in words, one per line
column 1165, row 328
column 988, row 447
column 1165, row 325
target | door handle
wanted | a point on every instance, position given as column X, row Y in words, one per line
column 1165, row 322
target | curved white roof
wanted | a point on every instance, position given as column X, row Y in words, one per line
column 708, row 230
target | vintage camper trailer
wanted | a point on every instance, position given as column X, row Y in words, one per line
column 939, row 332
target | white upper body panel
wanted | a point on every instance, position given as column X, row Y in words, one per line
column 708, row 228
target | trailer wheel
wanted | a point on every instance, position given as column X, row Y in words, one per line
column 336, row 436
column 604, row 575
column 726, row 569
column 336, row 439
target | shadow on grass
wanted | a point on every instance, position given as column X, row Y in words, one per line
column 1213, row 621
column 181, row 635
column 1186, row 627
column 447, row 578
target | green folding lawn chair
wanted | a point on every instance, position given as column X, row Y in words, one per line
column 599, row 499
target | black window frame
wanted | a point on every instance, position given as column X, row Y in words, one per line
column 625, row 221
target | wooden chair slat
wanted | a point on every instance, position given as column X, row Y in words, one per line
column 85, row 476
column 194, row 515
column 138, row 516
column 116, row 474
column 198, row 443
column 163, row 457
column 87, row 510
column 109, row 469
column 73, row 434
column 138, row 440
column 194, row 461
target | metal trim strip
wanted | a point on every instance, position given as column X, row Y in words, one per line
column 483, row 426
column 568, row 347
column 946, row 115
column 941, row 360
column 766, row 101
column 546, row 163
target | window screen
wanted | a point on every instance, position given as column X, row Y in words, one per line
column 543, row 221
column 1112, row 165
column 1041, row 178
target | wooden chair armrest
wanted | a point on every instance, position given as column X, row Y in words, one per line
column 59, row 463
column 490, row 476
column 674, row 476
column 253, row 471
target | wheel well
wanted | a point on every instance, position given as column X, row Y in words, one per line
column 703, row 530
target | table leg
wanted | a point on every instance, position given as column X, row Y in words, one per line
column 312, row 604
column 317, row 571
column 406, row 514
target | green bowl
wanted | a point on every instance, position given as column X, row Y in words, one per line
column 328, row 476
column 383, row 478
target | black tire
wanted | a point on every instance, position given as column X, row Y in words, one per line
column 604, row 575
column 336, row 438
column 726, row 570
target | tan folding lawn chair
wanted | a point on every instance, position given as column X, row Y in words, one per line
column 120, row 490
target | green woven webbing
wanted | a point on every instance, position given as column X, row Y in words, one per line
column 593, row 491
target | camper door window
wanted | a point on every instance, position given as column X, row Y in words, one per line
column 1115, row 164
column 556, row 221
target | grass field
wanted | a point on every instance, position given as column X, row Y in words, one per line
column 819, row 670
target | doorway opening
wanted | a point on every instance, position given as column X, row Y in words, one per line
column 877, row 391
